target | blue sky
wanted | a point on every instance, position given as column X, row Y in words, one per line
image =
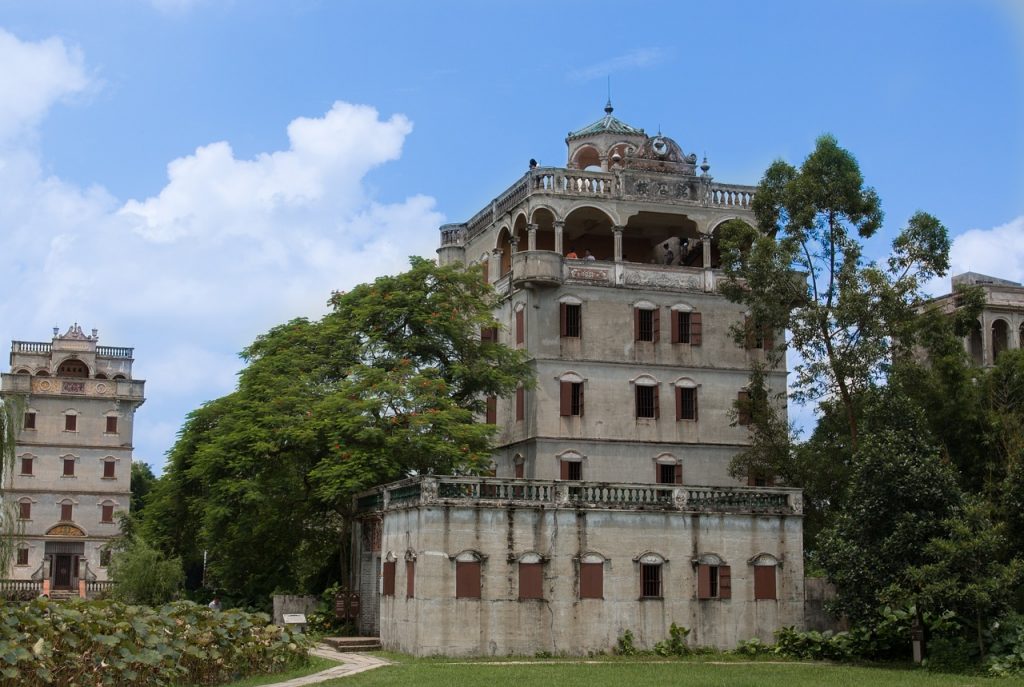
column 184, row 174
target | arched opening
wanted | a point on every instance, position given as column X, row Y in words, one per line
column 617, row 152
column 520, row 232
column 505, row 246
column 42, row 373
column 975, row 345
column 545, row 221
column 1000, row 338
column 587, row 158
column 588, row 228
column 73, row 368
column 118, row 377
column 100, row 375
column 21, row 371
column 662, row 239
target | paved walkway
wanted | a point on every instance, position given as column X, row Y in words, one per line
column 352, row 664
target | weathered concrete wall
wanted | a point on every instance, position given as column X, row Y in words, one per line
column 285, row 603
column 433, row 621
column 817, row 592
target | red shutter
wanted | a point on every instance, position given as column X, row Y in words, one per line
column 70, row 423
column 25, row 510
column 695, row 330
column 565, row 398
column 69, row 467
column 674, row 320
column 66, row 512
column 656, row 392
column 695, row 394
column 520, row 333
column 410, row 578
column 679, row 473
column 531, row 581
column 563, row 320
column 657, row 473
column 581, row 399
column 679, row 403
column 769, row 339
column 107, row 513
column 519, row 470
column 467, row 580
column 108, row 469
column 389, row 579
column 26, row 466
column 656, row 325
column 563, row 469
column 520, row 404
column 703, row 581
column 591, row 580
column 748, row 330
column 111, row 424
column 492, row 410
column 30, row 422
column 764, row 582
column 724, row 582
column 636, row 324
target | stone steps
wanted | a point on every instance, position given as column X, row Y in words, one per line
column 353, row 644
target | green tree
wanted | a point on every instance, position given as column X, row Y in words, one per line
column 11, row 410
column 963, row 571
column 804, row 271
column 898, row 496
column 387, row 384
column 143, row 574
column 143, row 480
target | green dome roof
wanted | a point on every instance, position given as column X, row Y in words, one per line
column 606, row 125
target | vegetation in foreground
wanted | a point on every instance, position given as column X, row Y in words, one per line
column 109, row 644
column 314, row 665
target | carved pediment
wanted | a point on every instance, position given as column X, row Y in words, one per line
column 65, row 529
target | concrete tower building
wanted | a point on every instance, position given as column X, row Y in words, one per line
column 73, row 456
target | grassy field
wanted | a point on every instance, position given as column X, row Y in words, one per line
column 430, row 673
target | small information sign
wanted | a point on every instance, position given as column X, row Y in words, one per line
column 294, row 618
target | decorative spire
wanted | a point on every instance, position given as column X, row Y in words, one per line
column 608, row 106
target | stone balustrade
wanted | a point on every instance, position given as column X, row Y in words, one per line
column 451, row 491
column 72, row 386
column 30, row 347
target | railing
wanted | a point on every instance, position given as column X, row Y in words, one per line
column 453, row 234
column 30, row 347
column 579, row 183
column 114, row 352
column 20, row 590
column 570, row 494
column 94, row 588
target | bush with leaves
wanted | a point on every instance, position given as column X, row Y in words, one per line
column 676, row 644
column 1006, row 652
column 110, row 644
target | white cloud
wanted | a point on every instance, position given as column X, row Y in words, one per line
column 35, row 76
column 997, row 252
column 226, row 249
column 634, row 59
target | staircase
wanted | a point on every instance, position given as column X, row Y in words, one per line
column 352, row 644
column 63, row 594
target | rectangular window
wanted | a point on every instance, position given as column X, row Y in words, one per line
column 111, row 424
column 650, row 580
column 109, row 467
column 489, row 334
column 571, row 398
column 66, row 511
column 25, row 510
column 30, row 420
column 467, row 580
column 26, row 466
column 571, row 318
column 70, row 423
column 646, row 325
column 107, row 513
column 69, row 467
column 410, row 579
column 743, row 408
column 492, row 411
column 531, row 581
column 571, row 470
column 760, row 479
column 686, row 403
column 520, row 404
column 22, row 557
column 758, row 336
column 520, row 469
column 671, row 473
column 104, row 558
column 591, row 580
column 714, row 582
column 647, row 401
column 520, row 327
column 388, row 575
column 764, row 582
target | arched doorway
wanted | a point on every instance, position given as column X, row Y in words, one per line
column 975, row 346
column 1000, row 338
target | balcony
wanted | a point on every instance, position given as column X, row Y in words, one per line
column 501, row 493
column 126, row 389
column 537, row 268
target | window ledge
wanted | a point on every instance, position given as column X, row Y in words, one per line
column 69, row 476
column 652, row 598
column 109, row 478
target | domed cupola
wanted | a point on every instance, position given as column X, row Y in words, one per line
column 604, row 143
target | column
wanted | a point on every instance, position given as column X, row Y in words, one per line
column 617, row 232
column 494, row 266
column 559, row 228
column 705, row 239
column 531, row 237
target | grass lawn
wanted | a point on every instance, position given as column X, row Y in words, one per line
column 625, row 673
column 315, row 665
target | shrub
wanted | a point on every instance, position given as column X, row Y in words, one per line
column 625, row 646
column 143, row 575
column 676, row 644
column 106, row 643
column 1006, row 654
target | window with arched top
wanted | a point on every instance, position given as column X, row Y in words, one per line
column 531, row 576
column 570, row 465
column 570, row 394
column 645, row 391
column 468, row 574
column 67, row 510
column 651, row 565
column 686, row 398
column 646, row 322
column 668, row 469
column 975, row 345
column 591, row 575
column 73, row 367
column 714, row 577
column 1000, row 338
column 107, row 512
column 765, row 576
column 388, row 566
